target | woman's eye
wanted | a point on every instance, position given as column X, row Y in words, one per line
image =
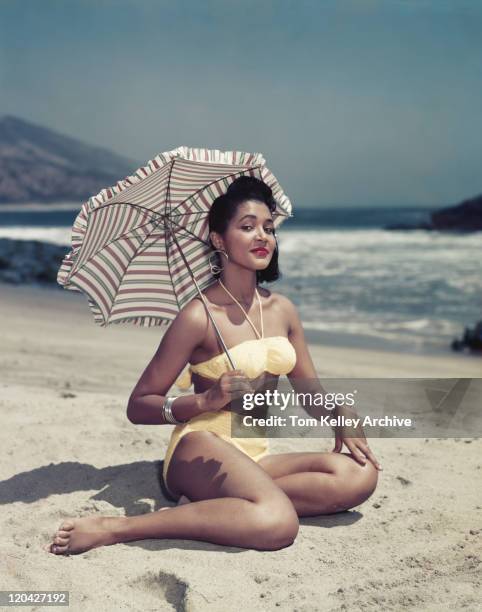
column 268, row 230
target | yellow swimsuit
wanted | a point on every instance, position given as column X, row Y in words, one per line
column 275, row 355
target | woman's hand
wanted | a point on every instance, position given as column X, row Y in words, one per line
column 230, row 386
column 354, row 439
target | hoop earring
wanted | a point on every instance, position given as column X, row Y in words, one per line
column 215, row 268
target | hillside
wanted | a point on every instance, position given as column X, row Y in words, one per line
column 41, row 165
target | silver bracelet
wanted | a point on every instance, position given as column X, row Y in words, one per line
column 166, row 411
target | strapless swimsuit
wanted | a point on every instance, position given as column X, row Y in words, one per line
column 275, row 355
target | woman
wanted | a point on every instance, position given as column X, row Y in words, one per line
column 239, row 494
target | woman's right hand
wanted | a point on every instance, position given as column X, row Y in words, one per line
column 230, row 386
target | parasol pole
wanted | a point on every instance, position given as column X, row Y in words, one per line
column 225, row 348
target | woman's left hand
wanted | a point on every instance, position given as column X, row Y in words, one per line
column 354, row 439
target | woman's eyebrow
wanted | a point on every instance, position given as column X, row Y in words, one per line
column 255, row 217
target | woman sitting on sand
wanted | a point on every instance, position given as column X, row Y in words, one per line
column 239, row 494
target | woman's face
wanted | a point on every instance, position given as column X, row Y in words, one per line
column 249, row 239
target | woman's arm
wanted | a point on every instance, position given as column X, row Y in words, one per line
column 184, row 334
column 303, row 378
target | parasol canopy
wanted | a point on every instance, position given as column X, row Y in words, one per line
column 140, row 249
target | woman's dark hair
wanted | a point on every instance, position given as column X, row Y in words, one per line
column 224, row 209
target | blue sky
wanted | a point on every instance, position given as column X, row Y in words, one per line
column 351, row 102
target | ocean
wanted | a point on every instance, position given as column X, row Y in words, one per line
column 355, row 283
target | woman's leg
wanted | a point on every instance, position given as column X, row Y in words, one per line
column 321, row 483
column 235, row 503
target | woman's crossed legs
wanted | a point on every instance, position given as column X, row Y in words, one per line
column 235, row 501
column 321, row 483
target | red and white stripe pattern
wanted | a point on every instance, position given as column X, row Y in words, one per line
column 123, row 255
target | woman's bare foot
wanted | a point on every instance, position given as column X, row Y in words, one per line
column 79, row 535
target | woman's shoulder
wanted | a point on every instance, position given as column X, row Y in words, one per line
column 193, row 311
column 277, row 299
column 281, row 307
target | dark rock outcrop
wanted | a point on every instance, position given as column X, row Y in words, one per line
column 40, row 165
column 464, row 217
column 30, row 261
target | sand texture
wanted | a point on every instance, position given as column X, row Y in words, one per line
column 68, row 450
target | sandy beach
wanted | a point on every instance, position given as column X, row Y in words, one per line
column 69, row 450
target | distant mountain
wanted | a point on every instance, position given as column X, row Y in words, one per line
column 40, row 165
column 464, row 217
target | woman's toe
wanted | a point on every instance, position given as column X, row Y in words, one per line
column 63, row 533
column 59, row 550
column 67, row 525
column 61, row 541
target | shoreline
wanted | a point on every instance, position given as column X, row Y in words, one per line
column 376, row 343
column 47, row 310
column 377, row 351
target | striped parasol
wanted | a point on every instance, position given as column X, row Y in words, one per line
column 140, row 249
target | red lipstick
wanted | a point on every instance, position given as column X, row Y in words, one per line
column 260, row 251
